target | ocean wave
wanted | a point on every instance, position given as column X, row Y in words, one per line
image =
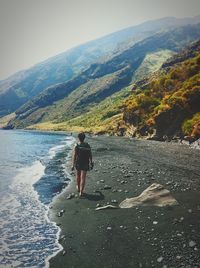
column 28, row 237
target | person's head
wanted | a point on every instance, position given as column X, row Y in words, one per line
column 81, row 137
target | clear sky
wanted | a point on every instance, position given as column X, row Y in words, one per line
column 34, row 30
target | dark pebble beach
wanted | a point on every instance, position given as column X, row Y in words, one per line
column 143, row 236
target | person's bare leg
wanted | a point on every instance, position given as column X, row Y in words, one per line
column 82, row 184
column 78, row 179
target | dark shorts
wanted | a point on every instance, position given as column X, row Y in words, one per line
column 82, row 166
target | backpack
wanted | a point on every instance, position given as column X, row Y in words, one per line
column 83, row 152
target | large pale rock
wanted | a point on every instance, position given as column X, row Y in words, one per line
column 154, row 195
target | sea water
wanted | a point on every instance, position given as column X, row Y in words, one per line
column 32, row 171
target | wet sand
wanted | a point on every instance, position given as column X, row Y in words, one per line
column 135, row 237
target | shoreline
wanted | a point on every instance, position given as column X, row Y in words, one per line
column 82, row 227
column 195, row 144
column 47, row 260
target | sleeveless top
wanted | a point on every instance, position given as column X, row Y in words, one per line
column 83, row 153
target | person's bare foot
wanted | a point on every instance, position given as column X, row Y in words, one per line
column 81, row 194
column 77, row 189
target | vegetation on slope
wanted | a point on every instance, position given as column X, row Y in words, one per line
column 104, row 117
column 24, row 85
column 170, row 104
column 6, row 119
column 152, row 63
column 121, row 68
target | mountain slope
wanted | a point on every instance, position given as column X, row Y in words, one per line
column 169, row 104
column 67, row 100
column 165, row 105
column 21, row 87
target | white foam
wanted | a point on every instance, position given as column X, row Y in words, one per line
column 26, row 217
column 30, row 174
column 68, row 141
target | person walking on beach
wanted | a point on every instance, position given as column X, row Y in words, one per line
column 82, row 161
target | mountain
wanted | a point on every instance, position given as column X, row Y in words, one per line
column 163, row 106
column 167, row 105
column 24, row 85
column 68, row 100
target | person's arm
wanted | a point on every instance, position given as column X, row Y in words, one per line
column 74, row 157
column 90, row 158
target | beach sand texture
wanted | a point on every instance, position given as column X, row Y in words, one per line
column 142, row 236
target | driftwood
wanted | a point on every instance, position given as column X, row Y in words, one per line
column 106, row 207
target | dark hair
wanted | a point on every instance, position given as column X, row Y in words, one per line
column 81, row 136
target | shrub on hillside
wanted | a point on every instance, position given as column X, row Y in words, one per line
column 189, row 124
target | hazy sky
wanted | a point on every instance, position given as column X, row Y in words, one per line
column 34, row 30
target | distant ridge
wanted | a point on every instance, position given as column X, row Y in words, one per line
column 66, row 101
column 24, row 85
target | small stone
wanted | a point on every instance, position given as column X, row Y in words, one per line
column 102, row 181
column 123, row 227
column 160, row 259
column 192, row 244
column 114, row 201
column 189, row 210
column 127, row 176
column 107, row 187
column 122, row 182
column 181, row 219
column 155, row 222
column 178, row 257
column 64, row 252
column 109, row 228
column 98, row 205
column 61, row 213
column 71, row 195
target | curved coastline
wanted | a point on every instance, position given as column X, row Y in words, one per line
column 29, row 237
column 52, row 202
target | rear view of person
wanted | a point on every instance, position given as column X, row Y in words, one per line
column 82, row 161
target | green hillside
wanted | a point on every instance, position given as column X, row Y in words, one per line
column 65, row 101
column 165, row 105
column 169, row 104
column 152, row 63
column 102, row 118
column 24, row 85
